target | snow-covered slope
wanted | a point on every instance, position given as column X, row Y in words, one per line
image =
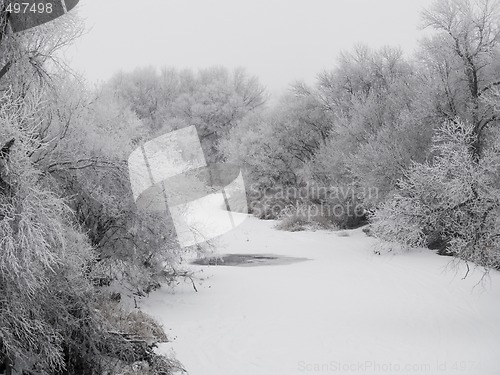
column 346, row 310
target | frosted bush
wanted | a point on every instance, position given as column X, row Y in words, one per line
column 453, row 199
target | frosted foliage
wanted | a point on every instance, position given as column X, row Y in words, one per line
column 455, row 199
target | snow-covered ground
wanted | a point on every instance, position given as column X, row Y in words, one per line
column 346, row 311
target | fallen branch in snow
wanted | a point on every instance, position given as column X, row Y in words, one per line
column 174, row 274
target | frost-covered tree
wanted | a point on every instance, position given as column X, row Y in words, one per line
column 380, row 162
column 275, row 144
column 453, row 201
column 462, row 61
column 42, row 256
column 213, row 99
column 379, row 122
column 51, row 313
column 89, row 137
column 53, row 318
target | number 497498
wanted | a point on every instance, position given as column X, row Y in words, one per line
column 41, row 7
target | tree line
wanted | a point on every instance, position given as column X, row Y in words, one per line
column 421, row 131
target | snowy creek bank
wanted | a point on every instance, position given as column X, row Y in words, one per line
column 343, row 310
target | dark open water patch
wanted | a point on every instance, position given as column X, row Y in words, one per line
column 247, row 260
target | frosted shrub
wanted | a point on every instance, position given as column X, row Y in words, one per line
column 454, row 200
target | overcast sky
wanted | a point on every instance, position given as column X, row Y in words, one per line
column 280, row 41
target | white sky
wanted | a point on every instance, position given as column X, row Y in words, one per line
column 280, row 41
